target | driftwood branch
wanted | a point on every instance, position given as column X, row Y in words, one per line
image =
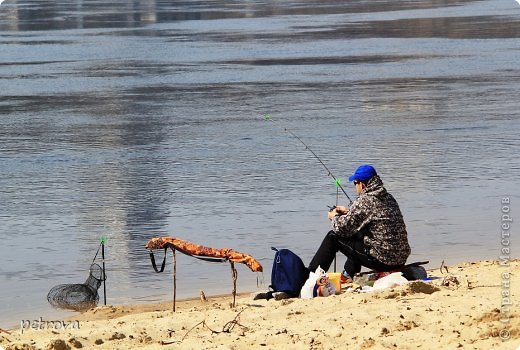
column 204, row 253
column 227, row 328
column 234, row 276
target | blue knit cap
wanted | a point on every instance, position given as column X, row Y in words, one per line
column 363, row 173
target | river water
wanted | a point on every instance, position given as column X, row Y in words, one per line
column 138, row 119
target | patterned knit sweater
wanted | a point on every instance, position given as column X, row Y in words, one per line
column 375, row 216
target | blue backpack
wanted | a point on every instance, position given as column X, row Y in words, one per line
column 289, row 273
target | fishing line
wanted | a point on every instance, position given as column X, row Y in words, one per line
column 337, row 181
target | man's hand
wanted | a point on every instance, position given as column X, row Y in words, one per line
column 339, row 210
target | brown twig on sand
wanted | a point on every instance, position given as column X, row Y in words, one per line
column 164, row 342
column 228, row 327
column 7, row 332
column 203, row 323
column 405, row 298
column 486, row 286
column 445, row 267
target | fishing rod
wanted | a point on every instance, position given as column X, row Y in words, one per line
column 336, row 180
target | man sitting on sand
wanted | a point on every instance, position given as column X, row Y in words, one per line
column 372, row 233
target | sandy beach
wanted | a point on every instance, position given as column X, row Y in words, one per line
column 469, row 306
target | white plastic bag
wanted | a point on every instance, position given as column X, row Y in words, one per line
column 392, row 280
column 317, row 285
column 306, row 292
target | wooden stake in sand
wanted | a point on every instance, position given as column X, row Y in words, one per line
column 234, row 276
column 174, row 279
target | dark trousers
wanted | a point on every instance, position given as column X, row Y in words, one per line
column 354, row 249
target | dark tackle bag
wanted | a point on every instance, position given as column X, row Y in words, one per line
column 289, row 273
column 414, row 272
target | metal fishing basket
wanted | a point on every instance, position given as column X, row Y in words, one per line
column 79, row 296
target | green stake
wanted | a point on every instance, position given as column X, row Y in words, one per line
column 103, row 241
